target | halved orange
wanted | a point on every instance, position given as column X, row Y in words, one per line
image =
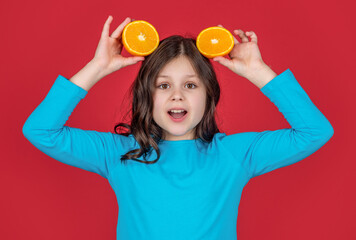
column 140, row 38
column 215, row 41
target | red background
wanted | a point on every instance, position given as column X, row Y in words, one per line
column 42, row 198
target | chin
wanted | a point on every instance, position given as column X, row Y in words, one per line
column 177, row 133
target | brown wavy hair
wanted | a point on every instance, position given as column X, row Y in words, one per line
column 144, row 129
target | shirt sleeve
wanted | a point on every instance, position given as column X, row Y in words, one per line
column 269, row 150
column 44, row 128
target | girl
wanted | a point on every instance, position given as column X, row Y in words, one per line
column 189, row 186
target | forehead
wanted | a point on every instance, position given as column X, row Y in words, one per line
column 177, row 68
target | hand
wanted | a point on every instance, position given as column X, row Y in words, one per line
column 108, row 53
column 245, row 57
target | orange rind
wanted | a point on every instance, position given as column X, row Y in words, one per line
column 140, row 38
column 215, row 41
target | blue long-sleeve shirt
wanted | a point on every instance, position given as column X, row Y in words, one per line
column 193, row 191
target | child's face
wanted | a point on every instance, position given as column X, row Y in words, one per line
column 178, row 91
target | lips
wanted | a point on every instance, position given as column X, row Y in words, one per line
column 178, row 117
column 184, row 113
column 177, row 109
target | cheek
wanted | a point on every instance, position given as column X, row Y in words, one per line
column 157, row 107
column 199, row 104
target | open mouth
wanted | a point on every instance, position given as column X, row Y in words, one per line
column 177, row 115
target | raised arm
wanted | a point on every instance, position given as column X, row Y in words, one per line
column 268, row 150
column 45, row 129
column 87, row 149
column 261, row 152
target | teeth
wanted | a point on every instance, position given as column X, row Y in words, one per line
column 177, row 111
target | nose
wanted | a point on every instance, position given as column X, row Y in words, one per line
column 177, row 95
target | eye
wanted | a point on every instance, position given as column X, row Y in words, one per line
column 159, row 86
column 195, row 86
column 192, row 84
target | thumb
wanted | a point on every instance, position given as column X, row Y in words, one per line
column 133, row 60
column 223, row 61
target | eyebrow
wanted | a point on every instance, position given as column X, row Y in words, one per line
column 188, row 75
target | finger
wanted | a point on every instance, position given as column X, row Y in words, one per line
column 223, row 61
column 242, row 35
column 132, row 60
column 252, row 35
column 119, row 29
column 235, row 40
column 106, row 28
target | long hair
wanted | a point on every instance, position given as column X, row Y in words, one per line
column 144, row 129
